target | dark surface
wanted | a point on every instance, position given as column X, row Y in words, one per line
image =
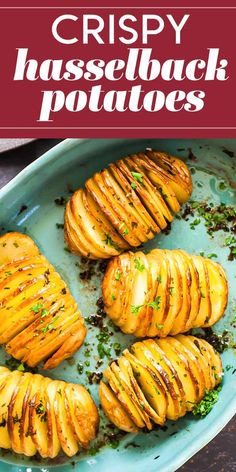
column 220, row 454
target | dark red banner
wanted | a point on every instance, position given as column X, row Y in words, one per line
column 117, row 71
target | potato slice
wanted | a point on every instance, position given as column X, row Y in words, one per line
column 87, row 224
column 108, row 205
column 128, row 405
column 195, row 293
column 160, row 181
column 149, row 379
column 196, row 374
column 206, row 355
column 54, row 445
column 22, row 314
column 138, row 313
column 15, row 246
column 38, row 419
column 64, row 429
column 156, row 204
column 131, row 221
column 141, row 406
column 178, row 175
column 114, row 410
column 7, row 388
column 125, row 183
column 145, row 402
column 182, row 369
column 204, row 314
column 139, row 192
column 168, row 377
column 83, row 412
column 38, row 333
column 189, row 344
column 115, row 283
column 183, row 316
column 104, row 226
column 74, row 340
column 161, row 308
column 175, row 292
column 16, row 414
column 215, row 363
column 218, row 292
column 27, row 444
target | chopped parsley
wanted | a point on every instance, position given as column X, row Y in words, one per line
column 230, row 240
column 80, row 368
column 103, row 351
column 159, row 279
column 36, row 308
column 138, row 264
column 117, row 348
column 113, row 297
column 195, row 223
column 49, row 326
column 159, row 326
column 125, row 232
column 206, row 404
column 137, row 176
column 211, row 255
column 133, row 185
column 118, row 276
column 155, row 304
column 135, row 309
column 109, row 242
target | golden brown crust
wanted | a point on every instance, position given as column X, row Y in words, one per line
column 43, row 415
column 159, row 379
column 39, row 319
column 126, row 204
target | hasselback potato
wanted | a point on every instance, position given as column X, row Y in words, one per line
column 41, row 415
column 126, row 204
column 163, row 292
column 158, row 379
column 39, row 319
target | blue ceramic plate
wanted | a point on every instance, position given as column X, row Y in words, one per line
column 66, row 166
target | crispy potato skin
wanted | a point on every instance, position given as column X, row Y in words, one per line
column 126, row 204
column 39, row 319
column 157, row 380
column 43, row 415
column 163, row 292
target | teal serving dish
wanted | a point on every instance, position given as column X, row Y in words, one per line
column 27, row 204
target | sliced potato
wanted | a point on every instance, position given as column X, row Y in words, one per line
column 35, row 306
column 114, row 410
column 159, row 379
column 164, row 292
column 43, row 415
column 126, row 204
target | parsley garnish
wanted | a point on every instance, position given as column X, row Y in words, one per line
column 155, row 304
column 137, row 176
column 211, row 255
column 118, row 276
column 109, row 241
column 206, row 404
column 138, row 264
column 36, row 308
column 135, row 308
column 194, row 223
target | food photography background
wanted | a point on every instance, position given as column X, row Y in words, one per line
column 219, row 455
